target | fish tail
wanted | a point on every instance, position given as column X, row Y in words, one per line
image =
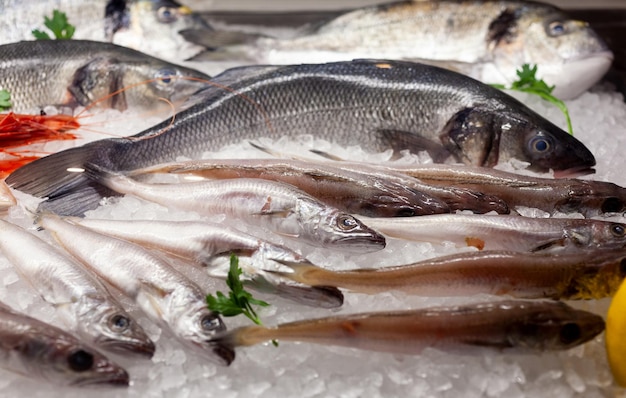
column 61, row 179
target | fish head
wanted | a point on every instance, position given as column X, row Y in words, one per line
column 115, row 329
column 569, row 53
column 608, row 235
column 554, row 327
column 64, row 361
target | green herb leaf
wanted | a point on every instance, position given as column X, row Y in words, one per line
column 5, row 100
column 58, row 25
column 527, row 82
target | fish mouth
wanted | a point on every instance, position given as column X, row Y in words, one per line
column 580, row 73
column 144, row 349
column 574, row 172
column 361, row 244
column 112, row 377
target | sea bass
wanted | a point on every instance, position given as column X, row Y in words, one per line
column 514, row 326
column 587, row 275
column 488, row 40
column 164, row 294
column 41, row 351
column 81, row 300
column 82, row 73
column 503, row 232
column 375, row 104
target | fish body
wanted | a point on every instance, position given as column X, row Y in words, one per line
column 83, row 302
column 522, row 326
column 585, row 275
column 85, row 73
column 504, row 232
column 278, row 206
column 375, row 104
column 41, row 351
column 162, row 293
column 488, row 40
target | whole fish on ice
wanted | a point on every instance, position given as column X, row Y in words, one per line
column 375, row 104
column 488, row 40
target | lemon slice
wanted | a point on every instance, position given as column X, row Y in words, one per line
column 615, row 335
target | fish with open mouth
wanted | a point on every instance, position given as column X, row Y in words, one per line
column 42, row 351
column 376, row 104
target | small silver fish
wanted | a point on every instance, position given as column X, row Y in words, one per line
column 518, row 326
column 41, row 351
column 81, row 300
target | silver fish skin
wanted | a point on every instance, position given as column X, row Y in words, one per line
column 41, row 351
column 280, row 207
column 86, row 73
column 504, row 232
column 375, row 104
column 487, row 40
column 209, row 245
column 351, row 191
column 83, row 303
column 566, row 195
column 164, row 294
column 510, row 325
column 586, row 275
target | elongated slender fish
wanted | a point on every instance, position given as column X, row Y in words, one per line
column 502, row 232
column 41, row 351
column 280, row 207
column 591, row 198
column 487, row 40
column 586, row 275
column 82, row 301
column 210, row 245
column 519, row 326
column 80, row 72
column 375, row 104
column 162, row 293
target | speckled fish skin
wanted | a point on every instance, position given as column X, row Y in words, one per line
column 504, row 232
column 83, row 73
column 164, row 294
column 81, row 300
column 487, row 40
column 592, row 274
column 41, row 351
column 510, row 325
column 375, row 104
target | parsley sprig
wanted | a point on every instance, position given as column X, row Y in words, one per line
column 527, row 82
column 59, row 26
column 5, row 100
column 238, row 301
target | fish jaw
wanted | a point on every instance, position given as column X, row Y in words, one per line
column 574, row 77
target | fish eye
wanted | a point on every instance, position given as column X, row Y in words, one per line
column 617, row 230
column 165, row 76
column 612, row 205
column 540, row 144
column 80, row 361
column 569, row 333
column 346, row 222
column 210, row 323
column 166, row 14
column 119, row 323
column 556, row 28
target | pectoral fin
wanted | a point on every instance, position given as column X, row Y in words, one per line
column 402, row 140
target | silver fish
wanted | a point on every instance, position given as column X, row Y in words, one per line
column 278, row 206
column 502, row 232
column 375, row 104
column 518, row 326
column 91, row 73
column 41, row 351
column 487, row 40
column 590, row 274
column 81, row 300
column 162, row 293
column 7, row 200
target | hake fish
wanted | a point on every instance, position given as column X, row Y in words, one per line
column 510, row 325
column 164, row 294
column 587, row 275
column 487, row 40
column 504, row 232
column 280, row 207
column 81, row 300
column 375, row 104
column 41, row 351
column 82, row 73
